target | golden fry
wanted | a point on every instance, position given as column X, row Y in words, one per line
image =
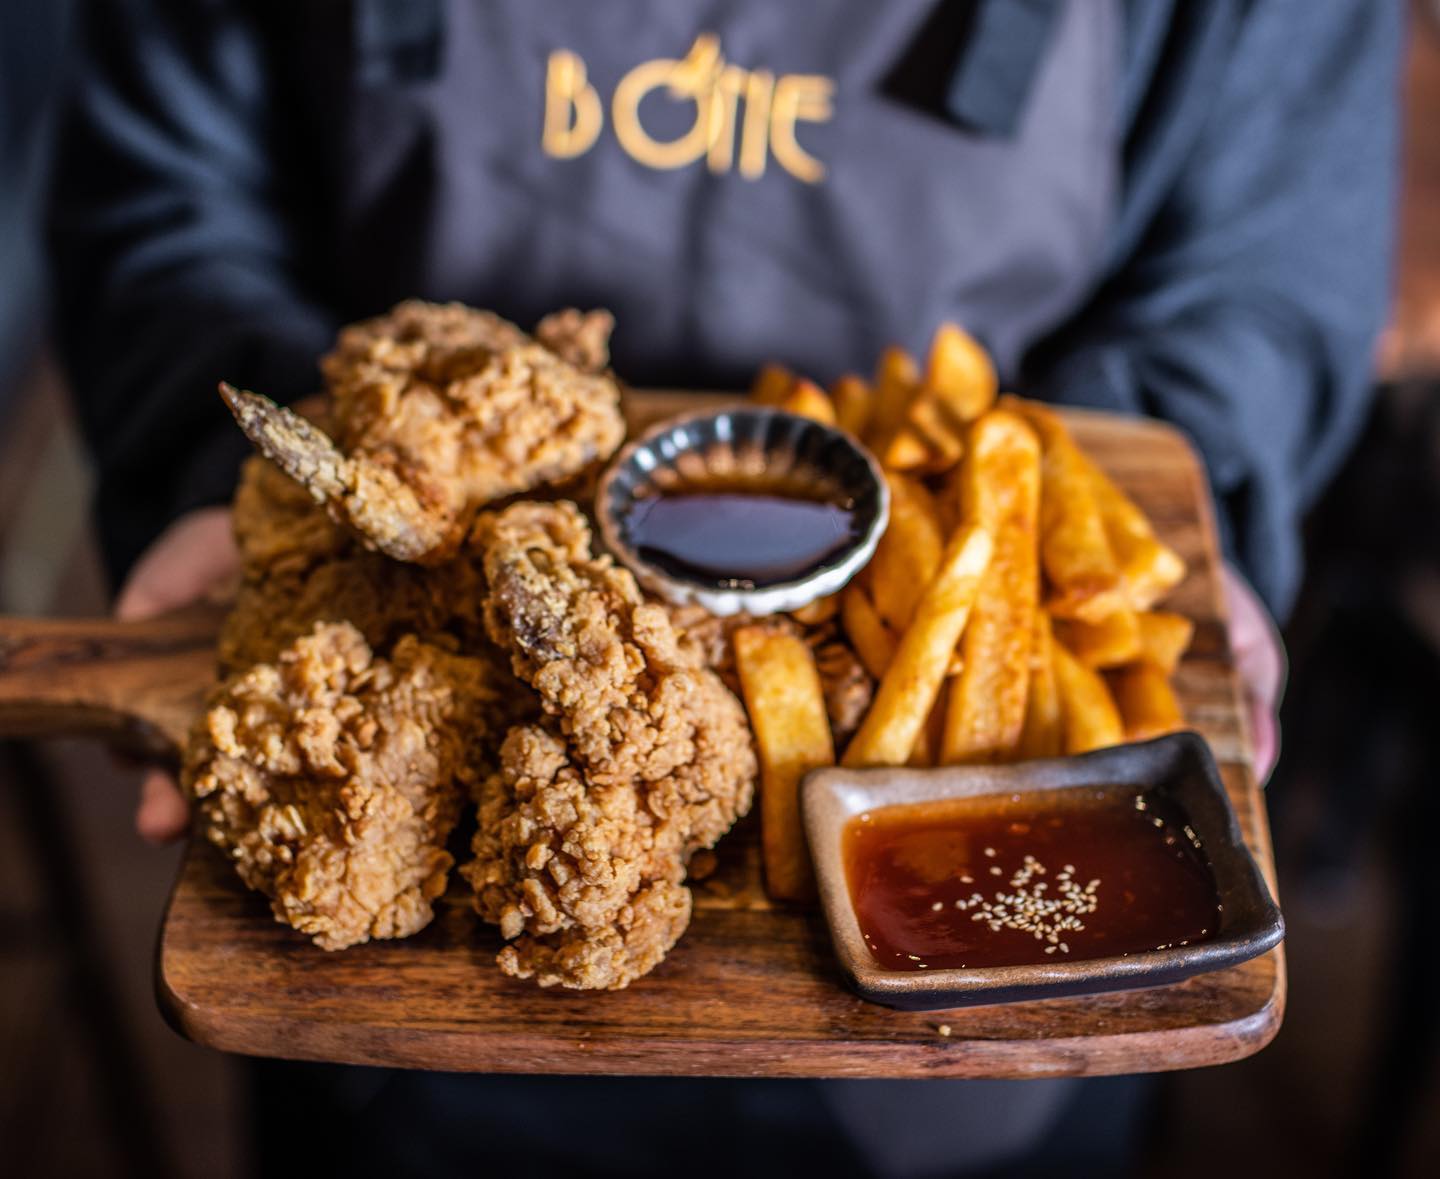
column 927, row 742
column 910, row 686
column 786, row 704
column 1148, row 569
column 905, row 451
column 1147, row 702
column 819, row 611
column 1164, row 639
column 873, row 641
column 772, row 383
column 1074, row 548
column 999, row 487
column 1092, row 720
column 854, row 403
column 809, row 401
column 896, row 380
column 960, row 374
column 930, row 438
column 1044, row 731
column 908, row 553
column 1114, row 640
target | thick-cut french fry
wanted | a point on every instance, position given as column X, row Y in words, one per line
column 927, row 741
column 1164, row 639
column 1091, row 719
column 908, row 552
column 772, row 383
column 1114, row 640
column 1000, row 489
column 1148, row 569
column 896, row 380
column 905, row 451
column 1074, row 548
column 930, row 438
column 786, row 703
column 960, row 373
column 854, row 403
column 933, row 420
column 873, row 641
column 809, row 401
column 1044, row 731
column 818, row 611
column 1147, row 702
column 910, row 686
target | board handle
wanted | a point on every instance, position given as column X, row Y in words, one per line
column 136, row 685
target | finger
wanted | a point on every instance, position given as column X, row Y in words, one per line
column 162, row 816
column 190, row 557
column 1266, row 730
column 1255, row 640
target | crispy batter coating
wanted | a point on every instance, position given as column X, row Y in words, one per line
column 332, row 777
column 437, row 410
column 299, row 567
column 642, row 758
column 581, row 338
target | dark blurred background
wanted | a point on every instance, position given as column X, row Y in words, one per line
column 93, row 1083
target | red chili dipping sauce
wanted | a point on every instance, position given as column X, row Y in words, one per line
column 1019, row 879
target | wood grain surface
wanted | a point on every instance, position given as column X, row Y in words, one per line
column 752, row 989
column 137, row 685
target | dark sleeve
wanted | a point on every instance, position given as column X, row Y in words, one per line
column 174, row 231
column 1245, row 304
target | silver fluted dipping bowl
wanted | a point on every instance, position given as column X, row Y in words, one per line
column 733, row 449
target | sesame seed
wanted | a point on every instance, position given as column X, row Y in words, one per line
column 989, row 851
column 944, row 1029
column 1026, row 906
column 937, row 906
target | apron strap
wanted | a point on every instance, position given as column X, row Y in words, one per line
column 397, row 40
column 998, row 63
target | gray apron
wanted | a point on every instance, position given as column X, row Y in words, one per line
column 923, row 212
column 810, row 182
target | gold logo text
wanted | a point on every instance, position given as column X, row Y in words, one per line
column 742, row 117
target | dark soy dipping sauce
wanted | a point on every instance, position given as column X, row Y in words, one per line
column 739, row 536
column 1108, row 873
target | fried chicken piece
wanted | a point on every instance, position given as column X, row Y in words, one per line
column 299, row 567
column 581, row 338
column 848, row 687
column 642, row 758
column 331, row 778
column 435, row 411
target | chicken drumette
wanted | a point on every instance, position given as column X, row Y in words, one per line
column 437, row 410
column 298, row 567
column 642, row 757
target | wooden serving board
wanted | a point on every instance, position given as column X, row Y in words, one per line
column 752, row 988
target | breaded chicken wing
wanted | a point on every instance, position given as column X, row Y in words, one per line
column 436, row 410
column 298, row 567
column 642, row 757
column 332, row 777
